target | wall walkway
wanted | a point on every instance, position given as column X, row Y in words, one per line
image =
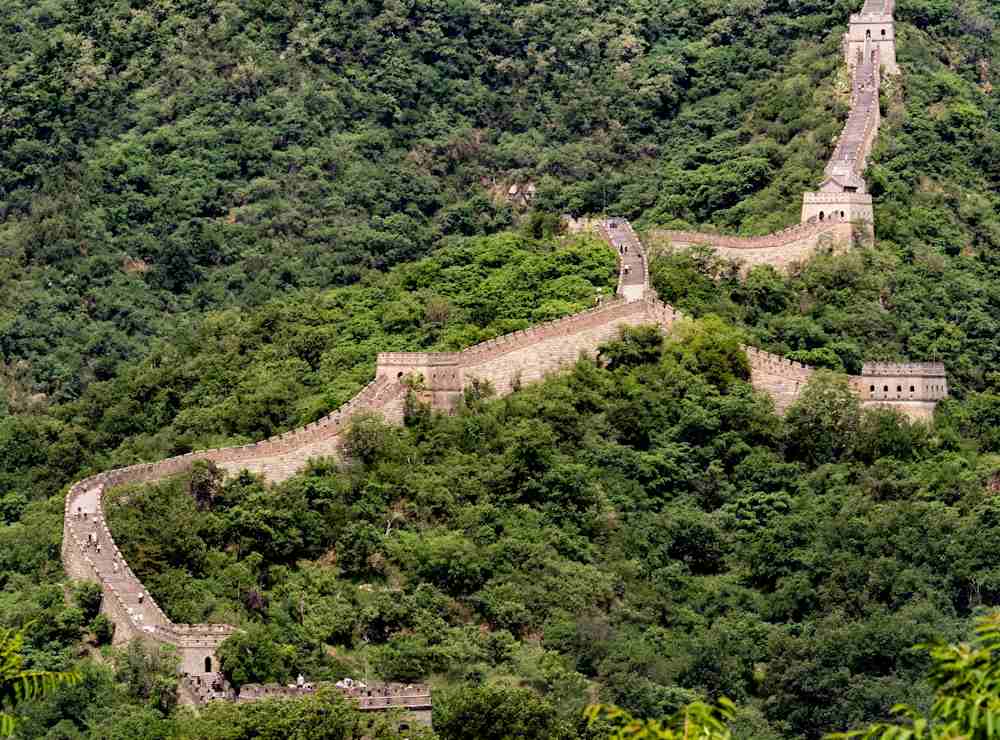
column 90, row 553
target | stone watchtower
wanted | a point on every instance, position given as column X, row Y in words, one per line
column 912, row 387
column 872, row 30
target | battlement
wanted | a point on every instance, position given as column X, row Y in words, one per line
column 373, row 697
column 783, row 250
column 769, row 241
column 916, row 369
column 90, row 553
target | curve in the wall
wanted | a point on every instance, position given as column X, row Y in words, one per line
column 90, row 553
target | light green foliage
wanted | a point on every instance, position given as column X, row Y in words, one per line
column 697, row 720
column 18, row 685
column 966, row 682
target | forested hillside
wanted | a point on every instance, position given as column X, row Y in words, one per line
column 160, row 159
column 214, row 214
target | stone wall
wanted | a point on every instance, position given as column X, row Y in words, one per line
column 896, row 382
column 783, row 250
column 90, row 553
column 780, row 378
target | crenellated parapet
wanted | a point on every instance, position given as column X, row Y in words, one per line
column 784, row 250
column 873, row 29
column 89, row 552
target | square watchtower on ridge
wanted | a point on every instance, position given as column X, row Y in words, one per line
column 873, row 29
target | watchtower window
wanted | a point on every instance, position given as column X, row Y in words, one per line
column 868, row 34
column 843, row 215
column 911, row 389
column 208, row 664
column 885, row 389
column 872, row 389
column 883, row 33
column 822, row 216
column 899, row 389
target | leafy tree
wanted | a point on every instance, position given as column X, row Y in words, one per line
column 697, row 720
column 18, row 685
column 254, row 656
column 966, row 682
column 639, row 345
column 495, row 712
column 823, row 423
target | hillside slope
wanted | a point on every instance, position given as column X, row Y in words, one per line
column 164, row 159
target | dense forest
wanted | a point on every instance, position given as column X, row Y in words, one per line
column 213, row 215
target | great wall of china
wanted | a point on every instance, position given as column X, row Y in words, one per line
column 840, row 214
column 90, row 553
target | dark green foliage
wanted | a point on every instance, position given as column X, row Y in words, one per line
column 88, row 596
column 637, row 346
column 103, row 629
column 497, row 713
column 823, row 423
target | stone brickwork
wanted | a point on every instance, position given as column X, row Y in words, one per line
column 872, row 29
column 778, row 377
column 374, row 697
column 783, row 250
column 913, row 387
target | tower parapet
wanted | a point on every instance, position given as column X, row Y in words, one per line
column 872, row 29
column 911, row 387
column 837, row 206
